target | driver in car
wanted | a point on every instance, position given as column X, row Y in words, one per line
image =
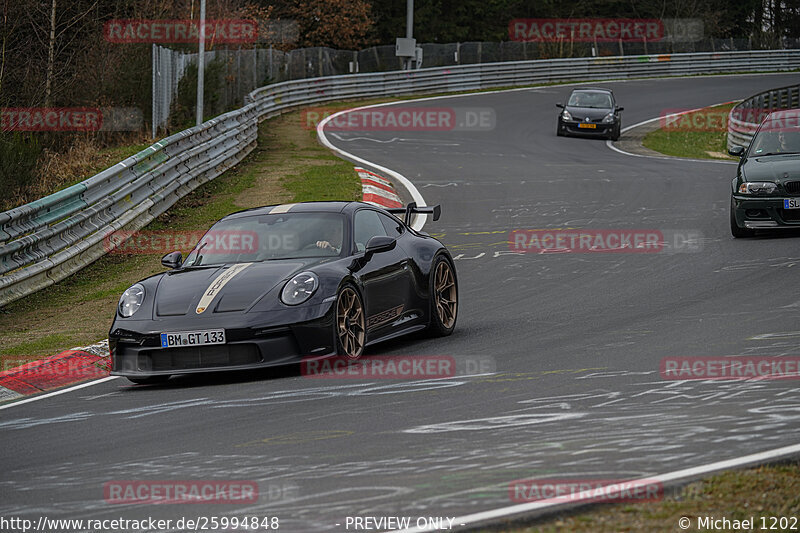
column 787, row 142
column 333, row 239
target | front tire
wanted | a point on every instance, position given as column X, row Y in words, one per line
column 615, row 134
column 736, row 231
column 349, row 326
column 443, row 297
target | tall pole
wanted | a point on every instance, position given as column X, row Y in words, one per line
column 155, row 99
column 409, row 27
column 201, row 62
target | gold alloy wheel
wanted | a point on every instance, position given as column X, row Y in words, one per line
column 446, row 294
column 350, row 323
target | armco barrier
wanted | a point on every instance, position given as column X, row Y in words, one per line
column 51, row 238
column 756, row 108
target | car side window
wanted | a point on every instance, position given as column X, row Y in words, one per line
column 394, row 228
column 367, row 224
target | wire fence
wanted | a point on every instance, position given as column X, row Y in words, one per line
column 240, row 71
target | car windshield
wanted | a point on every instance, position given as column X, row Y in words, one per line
column 269, row 236
column 770, row 141
column 590, row 99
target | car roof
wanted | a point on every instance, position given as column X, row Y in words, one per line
column 302, row 207
column 593, row 89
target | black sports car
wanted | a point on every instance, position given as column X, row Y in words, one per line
column 590, row 111
column 288, row 283
column 765, row 194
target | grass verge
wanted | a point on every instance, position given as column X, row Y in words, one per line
column 288, row 165
column 57, row 171
column 698, row 135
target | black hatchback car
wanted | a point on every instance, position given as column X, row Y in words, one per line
column 765, row 194
column 592, row 112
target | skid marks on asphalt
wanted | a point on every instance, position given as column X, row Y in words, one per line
column 740, row 265
column 269, row 399
column 297, row 438
column 633, row 420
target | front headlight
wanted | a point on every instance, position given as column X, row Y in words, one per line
column 757, row 187
column 565, row 115
column 300, row 288
column 608, row 119
column 131, row 300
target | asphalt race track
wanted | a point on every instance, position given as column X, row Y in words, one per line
column 561, row 351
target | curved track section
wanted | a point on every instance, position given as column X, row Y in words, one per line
column 575, row 341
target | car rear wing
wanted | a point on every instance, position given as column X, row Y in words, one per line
column 412, row 208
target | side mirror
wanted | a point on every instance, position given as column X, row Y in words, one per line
column 560, row 105
column 619, row 108
column 172, row 260
column 737, row 151
column 380, row 243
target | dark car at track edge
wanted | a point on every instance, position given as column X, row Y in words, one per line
column 590, row 111
column 307, row 280
column 765, row 194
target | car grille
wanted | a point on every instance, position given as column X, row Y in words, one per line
column 792, row 187
column 199, row 357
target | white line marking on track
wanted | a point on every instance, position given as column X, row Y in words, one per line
column 56, row 393
column 351, row 139
column 587, row 496
column 419, row 220
column 610, row 143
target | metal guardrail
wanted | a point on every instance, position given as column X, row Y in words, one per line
column 45, row 241
column 745, row 117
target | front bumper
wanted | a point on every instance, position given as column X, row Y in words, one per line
column 764, row 213
column 254, row 341
column 600, row 129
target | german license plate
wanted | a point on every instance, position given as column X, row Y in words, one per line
column 587, row 125
column 193, row 338
column 791, row 203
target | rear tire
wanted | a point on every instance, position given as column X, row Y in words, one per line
column 736, row 231
column 443, row 297
column 151, row 380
